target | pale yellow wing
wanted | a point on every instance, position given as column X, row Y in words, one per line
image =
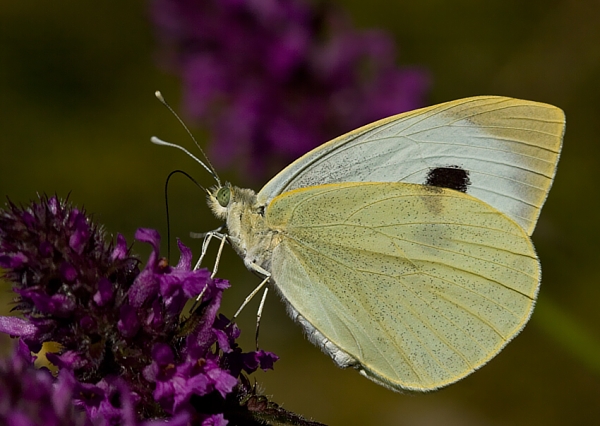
column 420, row 286
column 509, row 148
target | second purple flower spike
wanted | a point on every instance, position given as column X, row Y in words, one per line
column 273, row 79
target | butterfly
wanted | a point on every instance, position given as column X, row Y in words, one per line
column 403, row 247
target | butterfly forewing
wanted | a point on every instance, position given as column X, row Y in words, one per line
column 419, row 285
column 508, row 147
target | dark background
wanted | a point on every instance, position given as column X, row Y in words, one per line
column 77, row 110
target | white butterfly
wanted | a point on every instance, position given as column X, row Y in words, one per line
column 403, row 247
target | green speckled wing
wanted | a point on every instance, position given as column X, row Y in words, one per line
column 419, row 285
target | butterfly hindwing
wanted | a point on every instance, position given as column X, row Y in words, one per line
column 419, row 286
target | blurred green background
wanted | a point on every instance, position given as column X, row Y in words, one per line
column 77, row 110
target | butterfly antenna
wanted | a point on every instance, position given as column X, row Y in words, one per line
column 158, row 141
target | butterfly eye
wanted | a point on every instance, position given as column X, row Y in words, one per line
column 223, row 196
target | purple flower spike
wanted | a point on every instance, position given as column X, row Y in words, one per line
column 274, row 79
column 129, row 354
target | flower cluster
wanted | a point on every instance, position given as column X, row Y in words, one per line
column 31, row 396
column 273, row 79
column 128, row 354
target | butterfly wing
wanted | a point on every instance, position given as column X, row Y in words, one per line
column 416, row 286
column 508, row 147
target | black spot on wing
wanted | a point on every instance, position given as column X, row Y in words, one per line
column 452, row 177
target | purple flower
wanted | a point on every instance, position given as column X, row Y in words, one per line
column 30, row 396
column 129, row 354
column 273, row 79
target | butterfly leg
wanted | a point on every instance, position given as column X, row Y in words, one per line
column 251, row 296
column 254, row 267
column 219, row 253
column 259, row 314
column 199, row 298
column 208, row 236
column 205, row 243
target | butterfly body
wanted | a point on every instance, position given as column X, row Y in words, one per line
column 248, row 231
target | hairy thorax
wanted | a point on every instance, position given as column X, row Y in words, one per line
column 248, row 228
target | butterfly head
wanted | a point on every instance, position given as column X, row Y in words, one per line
column 219, row 198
